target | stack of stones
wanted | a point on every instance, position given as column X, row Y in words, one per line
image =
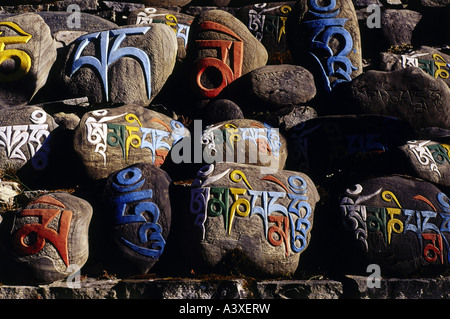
column 221, row 136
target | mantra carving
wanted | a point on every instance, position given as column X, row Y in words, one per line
column 53, row 227
column 21, row 58
column 227, row 50
column 109, row 52
column 33, row 136
column 149, row 15
column 266, row 139
column 437, row 67
column 282, row 223
column 323, row 28
column 103, row 135
column 141, row 210
column 430, row 154
column 261, row 23
column 363, row 220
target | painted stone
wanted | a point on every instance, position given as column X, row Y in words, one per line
column 27, row 53
column 222, row 49
column 179, row 22
column 428, row 159
column 139, row 213
column 244, row 141
column 49, row 237
column 25, row 138
column 110, row 139
column 324, row 37
column 267, row 22
column 399, row 223
column 272, row 88
column 265, row 219
column 124, row 65
column 428, row 59
column 323, row 146
column 408, row 94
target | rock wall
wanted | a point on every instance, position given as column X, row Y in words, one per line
column 270, row 140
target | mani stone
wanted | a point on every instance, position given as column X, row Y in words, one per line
column 248, row 221
column 272, row 88
column 179, row 22
column 326, row 145
column 139, row 212
column 110, row 139
column 221, row 49
column 49, row 238
column 324, row 37
column 428, row 59
column 399, row 33
column 399, row 223
column 25, row 138
column 427, row 159
column 26, row 59
column 267, row 22
column 408, row 94
column 244, row 141
column 124, row 65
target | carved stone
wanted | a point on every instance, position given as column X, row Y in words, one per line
column 49, row 238
column 139, row 213
column 399, row 223
column 110, row 139
column 249, row 222
column 27, row 55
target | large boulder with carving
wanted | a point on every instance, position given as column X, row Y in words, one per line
column 249, row 221
column 324, row 37
column 408, row 94
column 123, row 65
column 244, row 141
column 221, row 49
column 399, row 223
column 48, row 238
column 139, row 216
column 28, row 52
column 110, row 139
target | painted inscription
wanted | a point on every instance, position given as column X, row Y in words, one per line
column 266, row 139
column 141, row 210
column 21, row 58
column 436, row 67
column 110, row 51
column 102, row 135
column 324, row 27
column 15, row 138
column 431, row 154
column 149, row 15
column 261, row 23
column 44, row 230
column 227, row 50
column 286, row 224
column 363, row 220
